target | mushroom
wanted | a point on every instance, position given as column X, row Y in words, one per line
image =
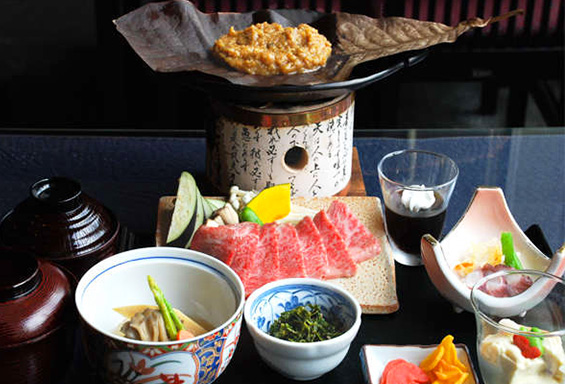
column 212, row 223
column 225, row 215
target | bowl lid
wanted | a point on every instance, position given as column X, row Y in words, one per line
column 19, row 275
column 34, row 297
column 58, row 221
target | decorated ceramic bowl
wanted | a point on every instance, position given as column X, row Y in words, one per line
column 301, row 361
column 200, row 286
column 60, row 223
column 486, row 217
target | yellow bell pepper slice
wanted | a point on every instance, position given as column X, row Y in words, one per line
column 272, row 203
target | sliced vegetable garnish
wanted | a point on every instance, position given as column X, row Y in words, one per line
column 536, row 341
column 247, row 214
column 184, row 213
column 534, row 344
column 190, row 212
column 272, row 203
column 510, row 257
column 528, row 351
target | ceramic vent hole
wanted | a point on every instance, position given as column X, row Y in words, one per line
column 296, row 158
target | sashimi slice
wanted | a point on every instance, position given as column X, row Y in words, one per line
column 313, row 249
column 266, row 263
column 291, row 261
column 340, row 263
column 360, row 242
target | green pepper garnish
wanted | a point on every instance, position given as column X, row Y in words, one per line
column 247, row 214
column 510, row 257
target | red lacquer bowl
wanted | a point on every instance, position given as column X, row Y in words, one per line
column 36, row 319
column 60, row 223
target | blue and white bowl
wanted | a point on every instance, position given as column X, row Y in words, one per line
column 199, row 285
column 301, row 361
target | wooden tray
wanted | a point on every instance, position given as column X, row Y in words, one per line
column 374, row 285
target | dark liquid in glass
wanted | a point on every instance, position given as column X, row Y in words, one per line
column 406, row 228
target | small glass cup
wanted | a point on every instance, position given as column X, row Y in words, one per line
column 416, row 187
column 504, row 323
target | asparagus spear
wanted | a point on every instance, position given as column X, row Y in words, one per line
column 162, row 304
column 510, row 257
column 176, row 320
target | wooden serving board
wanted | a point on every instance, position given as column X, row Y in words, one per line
column 356, row 185
column 374, row 285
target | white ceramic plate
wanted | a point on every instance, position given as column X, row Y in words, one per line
column 374, row 358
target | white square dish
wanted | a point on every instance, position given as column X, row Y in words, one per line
column 374, row 358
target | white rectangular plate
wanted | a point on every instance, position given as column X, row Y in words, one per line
column 374, row 358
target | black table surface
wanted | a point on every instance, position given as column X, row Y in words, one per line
column 130, row 174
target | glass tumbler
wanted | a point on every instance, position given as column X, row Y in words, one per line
column 520, row 318
column 416, row 187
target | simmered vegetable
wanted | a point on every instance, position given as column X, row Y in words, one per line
column 304, row 325
column 172, row 322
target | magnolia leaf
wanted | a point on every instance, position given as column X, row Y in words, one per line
column 174, row 36
column 362, row 38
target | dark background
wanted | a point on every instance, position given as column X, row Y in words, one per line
column 63, row 65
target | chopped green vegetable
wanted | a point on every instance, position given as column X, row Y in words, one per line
column 510, row 257
column 304, row 325
column 534, row 341
column 167, row 311
column 247, row 214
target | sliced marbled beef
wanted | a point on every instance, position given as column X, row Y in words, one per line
column 313, row 249
column 340, row 262
column 291, row 261
column 235, row 245
column 265, row 266
column 361, row 243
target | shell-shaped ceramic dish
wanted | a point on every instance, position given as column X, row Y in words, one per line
column 485, row 218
